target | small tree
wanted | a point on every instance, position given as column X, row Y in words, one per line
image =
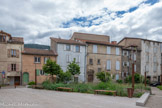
column 103, row 76
column 73, row 68
column 64, row 77
column 52, row 68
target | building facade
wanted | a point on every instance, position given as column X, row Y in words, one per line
column 32, row 64
column 10, row 59
column 67, row 50
column 150, row 56
column 101, row 56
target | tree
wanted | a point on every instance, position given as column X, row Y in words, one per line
column 103, row 76
column 73, row 68
column 52, row 68
column 64, row 77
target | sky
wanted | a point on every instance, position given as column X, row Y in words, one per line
column 38, row 20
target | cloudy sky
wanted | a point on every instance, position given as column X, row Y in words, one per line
column 37, row 20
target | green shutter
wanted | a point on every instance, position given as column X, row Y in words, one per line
column 38, row 72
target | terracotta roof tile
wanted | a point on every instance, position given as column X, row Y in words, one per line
column 32, row 51
column 67, row 41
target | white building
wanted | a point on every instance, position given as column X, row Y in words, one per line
column 67, row 50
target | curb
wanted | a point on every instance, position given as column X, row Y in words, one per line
column 143, row 99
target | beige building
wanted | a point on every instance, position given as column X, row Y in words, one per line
column 32, row 64
column 101, row 56
column 10, row 59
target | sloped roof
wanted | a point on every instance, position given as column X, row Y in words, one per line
column 58, row 40
column 32, row 51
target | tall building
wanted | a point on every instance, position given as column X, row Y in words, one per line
column 150, row 56
column 101, row 55
column 67, row 50
column 10, row 58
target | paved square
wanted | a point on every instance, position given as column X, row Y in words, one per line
column 34, row 98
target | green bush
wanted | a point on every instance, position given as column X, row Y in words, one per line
column 31, row 83
column 103, row 76
column 119, row 81
column 160, row 87
column 137, row 78
column 64, row 77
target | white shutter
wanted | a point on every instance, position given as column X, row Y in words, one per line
column 127, row 53
column 94, row 48
column 64, row 46
column 123, row 53
column 81, row 48
column 108, row 64
column 134, row 57
column 117, row 65
column 127, row 63
column 134, row 68
column 108, row 50
column 117, row 51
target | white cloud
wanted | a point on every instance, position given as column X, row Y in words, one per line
column 37, row 20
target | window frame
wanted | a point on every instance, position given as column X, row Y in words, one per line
column 36, row 58
column 76, row 48
column 67, row 47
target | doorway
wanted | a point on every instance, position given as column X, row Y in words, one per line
column 25, row 78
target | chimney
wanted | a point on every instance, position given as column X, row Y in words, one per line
column 113, row 42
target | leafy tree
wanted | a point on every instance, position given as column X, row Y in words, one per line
column 103, row 76
column 52, row 68
column 137, row 78
column 64, row 77
column 73, row 68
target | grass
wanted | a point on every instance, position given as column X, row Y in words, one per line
column 160, row 87
column 89, row 87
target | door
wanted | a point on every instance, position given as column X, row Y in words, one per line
column 90, row 78
column 17, row 80
column 25, row 78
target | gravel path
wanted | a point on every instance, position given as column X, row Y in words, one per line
column 33, row 98
column 155, row 100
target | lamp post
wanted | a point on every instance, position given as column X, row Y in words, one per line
column 35, row 75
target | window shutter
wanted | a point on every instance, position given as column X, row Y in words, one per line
column 9, row 68
column 117, row 65
column 94, row 48
column 80, row 48
column 123, row 63
column 64, row 46
column 38, row 72
column 108, row 65
column 108, row 50
column 127, row 53
column 9, row 53
column 127, row 63
column 117, row 51
column 123, row 53
column 134, row 57
column 17, row 67
column 17, row 53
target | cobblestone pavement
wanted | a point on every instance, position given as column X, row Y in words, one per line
column 155, row 100
column 34, row 98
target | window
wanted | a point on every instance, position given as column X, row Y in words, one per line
column 124, row 63
column 37, row 59
column 108, row 50
column 2, row 38
column 78, row 59
column 155, row 59
column 91, row 61
column 67, row 47
column 98, row 62
column 146, row 48
column 155, row 67
column 77, row 48
column 127, row 63
column 117, row 51
column 125, row 53
column 41, row 72
column 147, row 58
column 99, row 69
column 13, row 67
column 117, row 65
column 108, row 65
column 13, row 53
column 155, row 49
column 147, row 68
column 94, row 48
column 45, row 59
column 67, row 58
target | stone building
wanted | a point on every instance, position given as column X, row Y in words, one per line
column 150, row 56
column 101, row 55
column 67, row 50
column 128, row 57
column 10, row 59
column 32, row 64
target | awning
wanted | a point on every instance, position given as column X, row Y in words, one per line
column 12, row 74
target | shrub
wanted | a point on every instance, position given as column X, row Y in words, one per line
column 103, row 76
column 64, row 77
column 31, row 83
column 160, row 87
column 119, row 81
column 137, row 78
